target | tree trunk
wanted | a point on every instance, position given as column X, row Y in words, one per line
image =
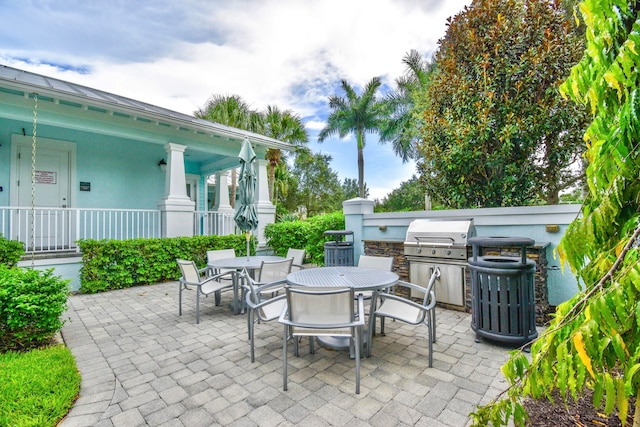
column 361, row 163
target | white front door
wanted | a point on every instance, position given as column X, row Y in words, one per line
column 50, row 192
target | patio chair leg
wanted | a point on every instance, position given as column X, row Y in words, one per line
column 357, row 346
column 251, row 333
column 197, row 306
column 217, row 297
column 433, row 323
column 284, row 358
column 180, row 299
column 430, row 346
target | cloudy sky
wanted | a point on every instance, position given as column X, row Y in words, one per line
column 176, row 54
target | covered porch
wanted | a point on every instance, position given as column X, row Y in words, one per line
column 108, row 167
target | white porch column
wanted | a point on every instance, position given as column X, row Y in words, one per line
column 266, row 209
column 176, row 209
column 222, row 193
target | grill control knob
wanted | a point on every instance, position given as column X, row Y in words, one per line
column 448, row 252
column 433, row 251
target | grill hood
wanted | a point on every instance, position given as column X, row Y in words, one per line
column 441, row 233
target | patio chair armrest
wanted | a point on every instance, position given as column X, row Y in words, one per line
column 266, row 286
column 419, row 288
column 212, row 277
column 407, row 301
column 204, row 270
column 264, row 302
column 226, row 273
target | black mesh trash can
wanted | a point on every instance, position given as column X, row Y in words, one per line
column 338, row 252
column 503, row 302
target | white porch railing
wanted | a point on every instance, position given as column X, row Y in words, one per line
column 55, row 229
column 213, row 223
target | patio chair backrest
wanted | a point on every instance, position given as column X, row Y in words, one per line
column 220, row 254
column 378, row 262
column 321, row 307
column 297, row 255
column 271, row 271
column 189, row 271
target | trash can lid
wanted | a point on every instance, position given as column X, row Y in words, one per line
column 337, row 234
column 501, row 241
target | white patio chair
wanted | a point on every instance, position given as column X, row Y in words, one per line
column 202, row 281
column 273, row 271
column 405, row 310
column 377, row 262
column 217, row 254
column 298, row 258
column 313, row 312
column 261, row 308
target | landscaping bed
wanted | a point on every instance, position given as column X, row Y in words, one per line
column 543, row 413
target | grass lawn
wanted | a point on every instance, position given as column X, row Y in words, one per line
column 37, row 388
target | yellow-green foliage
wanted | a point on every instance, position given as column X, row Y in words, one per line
column 594, row 341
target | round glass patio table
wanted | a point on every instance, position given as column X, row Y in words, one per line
column 358, row 278
column 238, row 264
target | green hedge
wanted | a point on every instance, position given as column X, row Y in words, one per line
column 119, row 264
column 307, row 235
column 31, row 306
column 10, row 251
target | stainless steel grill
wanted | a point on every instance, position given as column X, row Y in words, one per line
column 442, row 244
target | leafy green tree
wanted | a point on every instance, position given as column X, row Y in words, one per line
column 284, row 126
column 231, row 110
column 357, row 114
column 318, row 189
column 410, row 196
column 351, row 190
column 496, row 131
column 401, row 121
column 594, row 340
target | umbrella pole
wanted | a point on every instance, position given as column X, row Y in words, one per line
column 248, row 236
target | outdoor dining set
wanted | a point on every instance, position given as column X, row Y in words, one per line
column 326, row 304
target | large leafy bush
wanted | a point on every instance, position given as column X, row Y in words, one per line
column 307, row 235
column 31, row 306
column 10, row 251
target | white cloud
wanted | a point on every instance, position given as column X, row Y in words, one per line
column 288, row 53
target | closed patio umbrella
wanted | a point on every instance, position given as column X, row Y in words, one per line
column 246, row 216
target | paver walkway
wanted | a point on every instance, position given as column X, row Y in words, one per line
column 142, row 364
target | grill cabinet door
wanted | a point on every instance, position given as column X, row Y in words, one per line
column 449, row 288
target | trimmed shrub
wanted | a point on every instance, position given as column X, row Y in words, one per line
column 31, row 306
column 10, row 251
column 307, row 235
column 119, row 264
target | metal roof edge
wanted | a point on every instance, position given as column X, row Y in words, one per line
column 160, row 113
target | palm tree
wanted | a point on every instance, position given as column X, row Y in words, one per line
column 357, row 114
column 231, row 110
column 400, row 127
column 284, row 126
